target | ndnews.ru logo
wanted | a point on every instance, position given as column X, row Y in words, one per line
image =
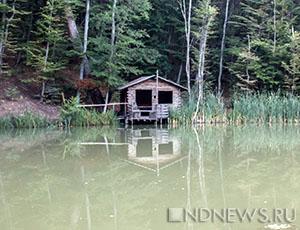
column 231, row 215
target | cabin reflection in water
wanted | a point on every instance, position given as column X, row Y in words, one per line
column 153, row 149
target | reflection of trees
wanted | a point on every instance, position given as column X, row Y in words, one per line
column 201, row 171
column 258, row 164
column 237, row 164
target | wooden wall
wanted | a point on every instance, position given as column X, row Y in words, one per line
column 151, row 85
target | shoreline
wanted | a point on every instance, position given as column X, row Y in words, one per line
column 265, row 108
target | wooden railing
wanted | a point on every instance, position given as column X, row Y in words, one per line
column 160, row 111
column 157, row 112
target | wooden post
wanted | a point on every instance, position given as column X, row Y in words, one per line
column 156, row 110
column 132, row 115
column 161, row 111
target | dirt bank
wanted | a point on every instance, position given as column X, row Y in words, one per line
column 17, row 97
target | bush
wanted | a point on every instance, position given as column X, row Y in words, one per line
column 73, row 115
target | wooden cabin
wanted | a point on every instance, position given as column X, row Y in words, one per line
column 149, row 98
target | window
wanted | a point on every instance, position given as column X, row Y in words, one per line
column 143, row 97
column 165, row 97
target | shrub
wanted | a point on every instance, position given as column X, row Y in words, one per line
column 73, row 115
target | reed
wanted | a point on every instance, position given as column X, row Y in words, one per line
column 265, row 108
column 244, row 108
column 72, row 115
column 212, row 110
column 26, row 120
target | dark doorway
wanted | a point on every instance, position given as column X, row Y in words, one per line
column 165, row 97
column 143, row 97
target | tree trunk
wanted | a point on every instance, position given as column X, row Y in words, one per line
column 113, row 30
column 2, row 38
column 187, row 25
column 45, row 66
column 106, row 101
column 5, row 28
column 85, row 40
column 294, row 63
column 249, row 54
column 47, row 53
column 201, row 59
column 74, row 34
column 274, row 25
column 188, row 38
column 112, row 48
column 222, row 49
column 179, row 74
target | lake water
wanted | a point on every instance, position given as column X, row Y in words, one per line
column 117, row 178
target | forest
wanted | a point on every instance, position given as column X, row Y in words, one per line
column 90, row 47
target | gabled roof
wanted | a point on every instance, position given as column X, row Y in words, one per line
column 145, row 78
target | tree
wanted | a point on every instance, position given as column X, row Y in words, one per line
column 293, row 67
column 50, row 32
column 209, row 13
column 117, row 45
column 222, row 48
column 84, row 61
column 5, row 24
column 186, row 11
column 252, row 58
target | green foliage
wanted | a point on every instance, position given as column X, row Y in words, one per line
column 128, row 53
column 260, row 53
column 73, row 115
column 26, row 120
column 11, row 92
column 212, row 111
column 265, row 108
column 246, row 108
column 269, row 43
column 293, row 66
column 44, row 53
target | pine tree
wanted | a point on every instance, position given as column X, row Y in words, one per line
column 50, row 33
column 118, row 53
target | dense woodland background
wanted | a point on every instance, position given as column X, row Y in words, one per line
column 93, row 46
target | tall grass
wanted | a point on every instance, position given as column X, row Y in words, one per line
column 73, row 115
column 212, row 110
column 246, row 108
column 265, row 108
column 26, row 120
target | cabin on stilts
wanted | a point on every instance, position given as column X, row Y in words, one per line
column 149, row 98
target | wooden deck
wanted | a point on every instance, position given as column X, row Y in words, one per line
column 156, row 113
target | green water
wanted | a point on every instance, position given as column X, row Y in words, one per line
column 116, row 178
